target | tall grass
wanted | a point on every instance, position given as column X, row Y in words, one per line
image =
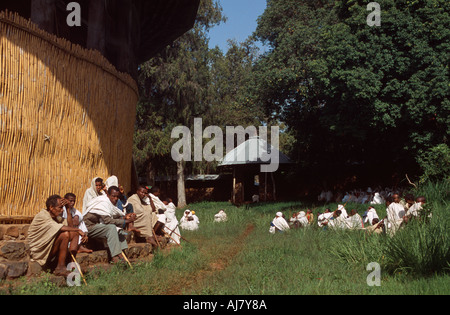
column 421, row 248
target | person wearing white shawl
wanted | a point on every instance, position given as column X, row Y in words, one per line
column 355, row 221
column 395, row 213
column 302, row 219
column 322, row 219
column 220, row 217
column 370, row 214
column 188, row 222
column 377, row 199
column 171, row 226
column 104, row 220
column 414, row 210
column 95, row 190
column 343, row 211
column 337, row 221
column 154, row 194
column 279, row 223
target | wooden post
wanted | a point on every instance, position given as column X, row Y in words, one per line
column 233, row 197
column 273, row 186
column 265, row 186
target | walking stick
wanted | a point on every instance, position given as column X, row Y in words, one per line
column 125, row 256
column 78, row 268
column 157, row 242
column 172, row 239
column 178, row 234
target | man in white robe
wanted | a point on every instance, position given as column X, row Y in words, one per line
column 322, row 219
column 377, row 199
column 188, row 222
column 302, row 219
column 370, row 214
column 395, row 213
column 221, row 216
column 344, row 213
column 354, row 220
column 337, row 221
column 280, row 223
column 171, row 226
column 414, row 210
column 104, row 220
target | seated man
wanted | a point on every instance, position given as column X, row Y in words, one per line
column 322, row 218
column 415, row 209
column 279, row 224
column 370, row 214
column 310, row 216
column 104, row 220
column 75, row 219
column 337, row 221
column 188, row 222
column 221, row 216
column 302, row 219
column 354, row 220
column 376, row 227
column 395, row 213
column 171, row 226
column 145, row 217
column 49, row 236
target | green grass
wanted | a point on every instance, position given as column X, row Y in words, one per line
column 218, row 260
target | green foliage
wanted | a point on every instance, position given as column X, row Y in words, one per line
column 349, row 91
column 435, row 163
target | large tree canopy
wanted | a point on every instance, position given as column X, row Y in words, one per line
column 353, row 95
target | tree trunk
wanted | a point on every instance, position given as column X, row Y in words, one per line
column 181, row 191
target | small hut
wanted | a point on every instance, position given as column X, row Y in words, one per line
column 250, row 181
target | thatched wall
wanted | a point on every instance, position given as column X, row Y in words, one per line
column 66, row 116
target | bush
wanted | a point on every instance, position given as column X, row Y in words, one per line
column 435, row 163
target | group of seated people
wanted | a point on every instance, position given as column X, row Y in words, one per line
column 107, row 214
column 399, row 212
column 376, row 196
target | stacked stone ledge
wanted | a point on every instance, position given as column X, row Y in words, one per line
column 15, row 260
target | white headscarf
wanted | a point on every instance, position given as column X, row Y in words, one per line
column 90, row 194
column 112, row 181
column 280, row 223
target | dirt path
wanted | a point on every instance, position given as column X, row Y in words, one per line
column 192, row 281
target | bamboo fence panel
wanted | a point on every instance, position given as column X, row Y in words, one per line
column 66, row 116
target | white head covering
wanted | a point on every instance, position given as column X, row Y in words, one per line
column 112, row 181
column 90, row 194
column 279, row 214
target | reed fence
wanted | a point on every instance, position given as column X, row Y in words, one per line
column 66, row 116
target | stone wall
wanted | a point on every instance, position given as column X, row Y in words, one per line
column 15, row 259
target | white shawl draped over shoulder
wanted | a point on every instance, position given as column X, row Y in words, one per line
column 280, row 223
column 104, row 207
column 90, row 194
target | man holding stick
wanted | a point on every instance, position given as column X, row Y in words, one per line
column 104, row 220
column 49, row 236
